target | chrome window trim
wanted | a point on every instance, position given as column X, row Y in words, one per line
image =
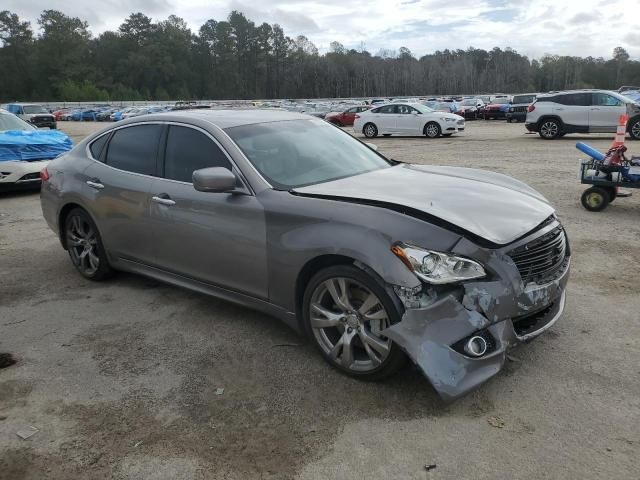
column 247, row 189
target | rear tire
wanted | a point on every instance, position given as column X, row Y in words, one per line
column 432, row 130
column 595, row 199
column 348, row 335
column 85, row 247
column 549, row 129
column 370, row 130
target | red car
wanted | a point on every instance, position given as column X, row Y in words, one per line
column 346, row 118
column 58, row 114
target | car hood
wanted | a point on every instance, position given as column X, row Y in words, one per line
column 493, row 206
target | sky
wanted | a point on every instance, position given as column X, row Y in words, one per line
column 532, row 27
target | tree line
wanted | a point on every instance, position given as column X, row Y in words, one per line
column 238, row 59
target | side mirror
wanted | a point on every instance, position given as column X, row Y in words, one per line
column 414, row 112
column 214, row 179
column 372, row 146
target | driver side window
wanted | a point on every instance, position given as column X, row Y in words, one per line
column 604, row 100
column 189, row 150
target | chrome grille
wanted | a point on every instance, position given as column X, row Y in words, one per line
column 541, row 258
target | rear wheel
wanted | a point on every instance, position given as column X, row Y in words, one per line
column 370, row 130
column 345, row 311
column 549, row 129
column 432, row 130
column 595, row 199
column 85, row 245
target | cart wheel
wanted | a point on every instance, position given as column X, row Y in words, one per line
column 595, row 199
column 612, row 193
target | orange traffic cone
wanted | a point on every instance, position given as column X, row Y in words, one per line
column 621, row 131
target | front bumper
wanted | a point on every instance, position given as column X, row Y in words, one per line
column 505, row 311
column 520, row 116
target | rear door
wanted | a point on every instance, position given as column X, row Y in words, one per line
column 605, row 112
column 348, row 116
column 386, row 118
column 574, row 109
column 117, row 189
column 216, row 238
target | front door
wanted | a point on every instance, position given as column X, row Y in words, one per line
column 117, row 189
column 605, row 112
column 216, row 238
column 407, row 120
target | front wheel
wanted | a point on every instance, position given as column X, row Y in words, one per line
column 432, row 130
column 595, row 199
column 634, row 129
column 370, row 130
column 85, row 246
column 345, row 311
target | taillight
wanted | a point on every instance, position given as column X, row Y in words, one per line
column 531, row 108
column 44, row 174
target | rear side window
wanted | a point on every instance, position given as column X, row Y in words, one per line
column 575, row 99
column 135, row 149
column 189, row 150
column 98, row 145
column 387, row 109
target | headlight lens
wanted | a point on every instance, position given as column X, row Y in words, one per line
column 447, row 119
column 437, row 267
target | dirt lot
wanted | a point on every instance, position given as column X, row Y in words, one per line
column 120, row 377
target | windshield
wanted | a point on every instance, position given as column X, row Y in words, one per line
column 500, row 101
column 30, row 109
column 296, row 153
column 8, row 121
column 469, row 103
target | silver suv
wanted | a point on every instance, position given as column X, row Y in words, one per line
column 555, row 114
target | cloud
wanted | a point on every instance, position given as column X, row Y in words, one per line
column 532, row 27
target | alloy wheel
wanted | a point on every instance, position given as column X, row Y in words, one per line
column 82, row 242
column 347, row 320
column 432, row 130
column 635, row 130
column 549, row 129
column 370, row 130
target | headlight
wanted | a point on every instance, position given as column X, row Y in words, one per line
column 447, row 119
column 437, row 267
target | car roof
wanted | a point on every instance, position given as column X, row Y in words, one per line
column 227, row 118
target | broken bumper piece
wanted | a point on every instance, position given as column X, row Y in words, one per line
column 434, row 336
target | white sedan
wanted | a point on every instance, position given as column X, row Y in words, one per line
column 17, row 174
column 407, row 119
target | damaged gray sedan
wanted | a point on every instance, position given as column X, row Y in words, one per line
column 374, row 260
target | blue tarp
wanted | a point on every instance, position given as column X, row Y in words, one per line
column 31, row 145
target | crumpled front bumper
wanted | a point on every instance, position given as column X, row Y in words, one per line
column 428, row 334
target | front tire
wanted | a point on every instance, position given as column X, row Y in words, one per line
column 549, row 129
column 595, row 199
column 634, row 129
column 85, row 247
column 432, row 130
column 344, row 311
column 370, row 130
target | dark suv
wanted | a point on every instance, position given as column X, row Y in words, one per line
column 519, row 105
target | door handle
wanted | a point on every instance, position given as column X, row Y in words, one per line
column 595, row 109
column 163, row 199
column 95, row 183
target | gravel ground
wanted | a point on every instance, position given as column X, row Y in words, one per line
column 120, row 378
